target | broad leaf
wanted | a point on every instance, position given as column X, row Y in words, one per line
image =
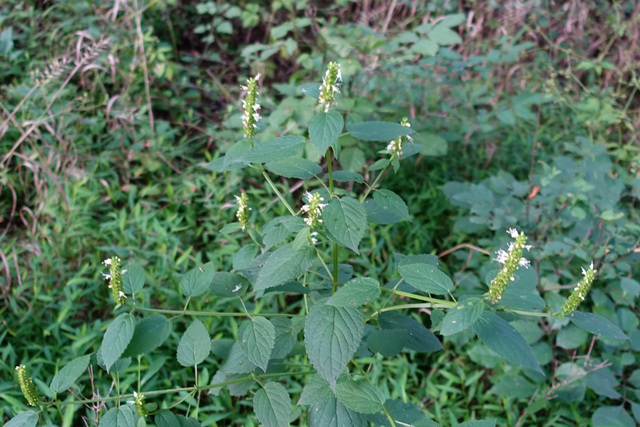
column 68, row 375
column 503, row 339
column 233, row 158
column 275, row 149
column 332, row 413
column 478, row 423
column 608, row 416
column 311, row 89
column 345, row 221
column 461, row 317
column 286, row 337
column 597, row 325
column 150, row 333
column 332, row 336
column 227, row 284
column 124, row 416
column 444, row 36
column 419, row 338
column 427, row 278
column 362, row 397
column 195, row 345
column 378, row 131
column 387, row 342
column 237, row 362
column 324, row 130
column 166, row 418
column 272, row 405
column 317, row 390
column 392, row 203
column 187, row 422
column 257, row 338
column 522, row 293
column 278, row 229
column 133, row 279
column 346, row 176
column 25, row 419
column 355, row 293
column 284, row 265
column 197, row 280
column 117, row 338
column 294, row 167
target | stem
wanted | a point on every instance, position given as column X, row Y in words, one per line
column 214, row 313
column 442, row 302
column 335, row 245
column 275, row 190
column 375, row 181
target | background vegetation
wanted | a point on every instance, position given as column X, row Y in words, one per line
column 527, row 114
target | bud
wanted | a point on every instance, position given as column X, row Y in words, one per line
column 330, row 85
column 580, row 291
column 26, row 385
column 251, row 108
column 313, row 208
column 140, row 406
column 115, row 279
column 396, row 146
column 511, row 261
column 243, row 210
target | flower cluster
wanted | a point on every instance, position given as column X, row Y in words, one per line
column 251, row 107
column 115, row 278
column 330, row 85
column 511, row 261
column 26, row 385
column 140, row 406
column 580, row 291
column 396, row 146
column 313, row 208
column 243, row 210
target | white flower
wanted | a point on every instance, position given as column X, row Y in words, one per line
column 523, row 262
column 502, row 256
column 513, row 233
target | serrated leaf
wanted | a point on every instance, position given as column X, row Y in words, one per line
column 346, row 176
column 352, row 159
column 241, row 388
column 284, row 265
column 257, row 338
column 272, row 405
column 444, row 36
column 197, row 280
column 386, row 208
column 317, row 390
column 378, row 131
column 275, row 149
column 227, row 284
column 597, row 325
column 522, row 293
column 324, row 130
column 237, row 361
column 461, row 317
column 166, row 418
column 133, row 279
column 278, row 229
column 355, row 293
column 25, row 419
column 505, row 340
column 68, row 375
column 311, row 90
column 425, row 47
column 124, row 416
column 361, row 397
column 431, row 144
column 419, row 338
column 426, row 278
column 345, row 221
column 387, row 342
column 630, row 286
column 612, row 416
column 149, row 334
column 478, row 423
column 187, row 422
column 286, row 336
column 453, row 20
column 195, row 345
column 117, row 338
column 233, row 158
column 332, row 336
column 294, row 167
column 332, row 413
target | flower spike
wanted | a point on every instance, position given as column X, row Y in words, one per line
column 580, row 291
column 26, row 385
column 243, row 210
column 313, row 208
column 251, row 108
column 330, row 85
column 115, row 279
column 511, row 261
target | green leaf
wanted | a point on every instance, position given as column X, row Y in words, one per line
column 237, row 362
column 317, row 390
column 378, row 131
column 197, row 280
column 630, row 286
column 117, row 338
column 444, row 36
column 233, row 159
column 332, row 335
column 124, row 416
column 431, row 144
column 166, row 418
column 387, row 342
column 419, row 338
column 227, row 284
column 597, row 325
column 386, row 208
column 286, row 337
column 257, row 338
column 278, row 229
column 355, row 293
column 612, row 416
column 311, row 90
column 272, row 405
column 324, row 130
column 284, row 265
column 426, row 278
column 275, row 149
column 133, row 279
column 345, row 221
column 503, row 339
column 195, row 345
column 294, row 167
column 352, row 159
column 522, row 293
column 150, row 333
column 333, row 413
column 514, row 387
column 453, row 20
column 361, row 397
column 68, row 375
column 346, row 176
column 25, row 419
column 478, row 423
column 461, row 317
column 425, row 47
